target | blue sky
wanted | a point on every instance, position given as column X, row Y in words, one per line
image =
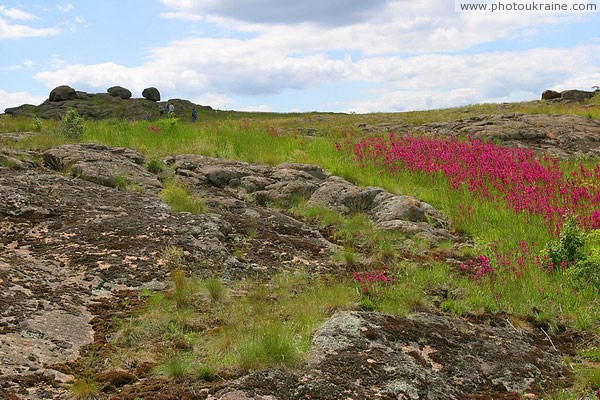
column 315, row 55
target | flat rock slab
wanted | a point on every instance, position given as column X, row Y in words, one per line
column 66, row 242
column 104, row 165
column 358, row 355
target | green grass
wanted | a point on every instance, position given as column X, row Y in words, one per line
column 85, row 389
column 215, row 289
column 176, row 366
column 267, row 323
column 181, row 200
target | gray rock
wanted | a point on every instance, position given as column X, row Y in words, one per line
column 102, row 165
column 62, row 93
column 151, row 94
column 118, row 91
column 362, row 355
column 342, row 196
column 576, row 95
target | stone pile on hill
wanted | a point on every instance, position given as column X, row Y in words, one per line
column 116, row 102
column 569, row 95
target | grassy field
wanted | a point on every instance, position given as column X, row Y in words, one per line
column 276, row 329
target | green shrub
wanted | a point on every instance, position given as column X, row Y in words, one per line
column 37, row 124
column 367, row 304
column 586, row 272
column 121, row 182
column 72, row 124
column 206, row 373
column 155, row 166
column 567, row 249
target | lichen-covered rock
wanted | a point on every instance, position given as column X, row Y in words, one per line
column 561, row 135
column 107, row 166
column 576, row 95
column 289, row 183
column 423, row 356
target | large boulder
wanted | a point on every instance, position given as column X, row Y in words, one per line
column 357, row 355
column 118, row 91
column 550, row 95
column 576, row 95
column 62, row 93
column 151, row 94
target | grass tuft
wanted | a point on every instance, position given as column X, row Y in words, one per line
column 85, row 389
column 180, row 200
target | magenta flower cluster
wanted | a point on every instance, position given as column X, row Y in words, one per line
column 479, row 267
column 523, row 181
column 372, row 284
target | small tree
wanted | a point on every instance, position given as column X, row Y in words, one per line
column 72, row 124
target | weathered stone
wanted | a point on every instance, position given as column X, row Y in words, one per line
column 561, row 135
column 103, row 165
column 576, row 95
column 342, row 196
column 422, row 356
column 550, row 95
column 62, row 93
column 118, row 91
column 151, row 94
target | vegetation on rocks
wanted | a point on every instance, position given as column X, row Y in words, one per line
column 528, row 253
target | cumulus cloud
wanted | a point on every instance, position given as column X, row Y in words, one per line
column 406, row 51
column 437, row 81
column 15, row 99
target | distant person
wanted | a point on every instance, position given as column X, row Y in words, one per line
column 161, row 110
column 194, row 115
column 171, row 108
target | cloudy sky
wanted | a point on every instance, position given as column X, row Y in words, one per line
column 280, row 55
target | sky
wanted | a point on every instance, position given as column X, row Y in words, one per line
column 295, row 56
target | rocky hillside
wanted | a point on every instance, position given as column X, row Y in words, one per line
column 74, row 244
column 560, row 135
column 115, row 103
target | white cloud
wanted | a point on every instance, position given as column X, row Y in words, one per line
column 402, row 52
column 17, row 14
column 181, row 15
column 15, row 99
column 65, row 7
column 437, row 81
column 16, row 31
column 18, row 67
